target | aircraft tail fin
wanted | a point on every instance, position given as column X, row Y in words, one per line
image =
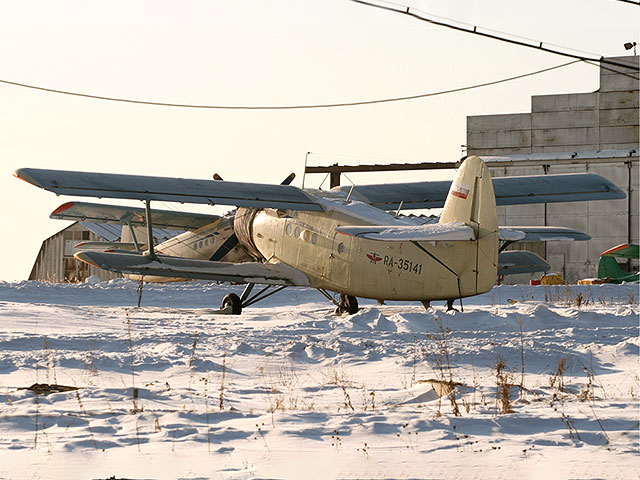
column 471, row 200
column 609, row 268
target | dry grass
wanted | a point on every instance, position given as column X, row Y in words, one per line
column 503, row 382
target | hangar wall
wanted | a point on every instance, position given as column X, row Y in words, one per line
column 55, row 261
column 576, row 132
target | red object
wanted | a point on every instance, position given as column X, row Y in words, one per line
column 62, row 208
column 534, row 282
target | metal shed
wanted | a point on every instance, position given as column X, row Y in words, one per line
column 55, row 261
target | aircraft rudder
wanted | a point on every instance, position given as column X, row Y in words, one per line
column 608, row 267
column 471, row 200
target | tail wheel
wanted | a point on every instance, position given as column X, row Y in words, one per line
column 232, row 300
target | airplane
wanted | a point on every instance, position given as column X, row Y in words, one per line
column 347, row 240
column 608, row 268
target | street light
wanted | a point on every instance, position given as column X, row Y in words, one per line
column 629, row 46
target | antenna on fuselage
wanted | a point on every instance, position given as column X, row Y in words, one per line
column 304, row 173
column 351, row 189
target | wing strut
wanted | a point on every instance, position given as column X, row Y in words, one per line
column 150, row 251
column 450, row 301
column 261, row 295
column 133, row 236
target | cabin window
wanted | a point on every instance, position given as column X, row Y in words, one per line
column 288, row 229
column 297, row 232
column 341, row 248
column 314, row 238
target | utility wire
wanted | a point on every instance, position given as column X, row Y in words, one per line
column 289, row 107
column 613, row 70
column 408, row 11
column 632, row 2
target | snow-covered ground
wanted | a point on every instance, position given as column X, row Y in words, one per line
column 289, row 390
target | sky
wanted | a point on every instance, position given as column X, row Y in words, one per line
column 281, row 52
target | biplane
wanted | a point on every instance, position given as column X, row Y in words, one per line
column 347, row 242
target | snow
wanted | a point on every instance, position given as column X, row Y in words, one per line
column 289, row 390
column 432, row 231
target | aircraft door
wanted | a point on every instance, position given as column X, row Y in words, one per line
column 339, row 261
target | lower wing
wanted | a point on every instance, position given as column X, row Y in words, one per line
column 176, row 267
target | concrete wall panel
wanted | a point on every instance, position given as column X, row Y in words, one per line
column 565, row 148
column 620, row 135
column 476, row 150
column 508, row 139
column 617, row 100
column 509, row 121
column 616, row 172
column 564, row 102
column 563, row 136
column 619, row 117
column 618, row 146
column 579, row 118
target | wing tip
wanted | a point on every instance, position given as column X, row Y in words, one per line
column 62, row 208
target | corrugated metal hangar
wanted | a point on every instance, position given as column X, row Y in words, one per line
column 55, row 261
column 594, row 132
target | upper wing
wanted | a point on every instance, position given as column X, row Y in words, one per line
column 508, row 190
column 429, row 232
column 165, row 266
column 241, row 194
column 121, row 215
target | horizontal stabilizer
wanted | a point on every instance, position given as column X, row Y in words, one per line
column 177, row 267
column 623, row 251
column 431, row 232
column 168, row 189
column 121, row 215
column 102, row 246
column 574, row 187
column 540, row 234
column 513, row 262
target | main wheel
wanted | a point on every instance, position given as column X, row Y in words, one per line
column 352, row 305
column 347, row 304
column 234, row 301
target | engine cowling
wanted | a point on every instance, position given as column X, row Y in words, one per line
column 243, row 228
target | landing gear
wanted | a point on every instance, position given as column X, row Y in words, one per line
column 347, row 304
column 450, row 305
column 231, row 304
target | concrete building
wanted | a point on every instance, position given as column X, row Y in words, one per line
column 576, row 132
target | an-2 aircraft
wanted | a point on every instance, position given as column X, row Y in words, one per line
column 345, row 240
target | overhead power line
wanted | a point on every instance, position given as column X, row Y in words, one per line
column 288, row 107
column 632, row 2
column 417, row 14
